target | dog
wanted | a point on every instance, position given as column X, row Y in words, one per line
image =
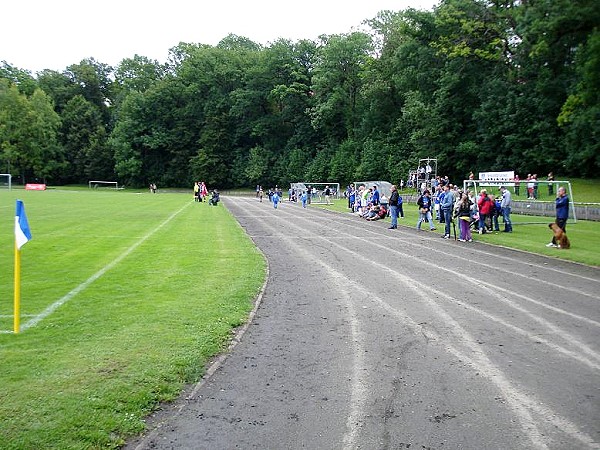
column 560, row 235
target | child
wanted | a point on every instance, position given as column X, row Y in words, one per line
column 304, row 197
column 275, row 199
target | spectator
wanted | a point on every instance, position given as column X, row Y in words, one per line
column 327, row 193
column 375, row 196
column 400, row 207
column 446, row 205
column 352, row 198
column 495, row 213
column 380, row 213
column 351, row 194
column 303, row 198
column 214, row 199
column 393, row 202
column 550, row 185
column 197, row 192
column 424, row 204
column 562, row 213
column 506, row 205
column 485, row 208
column 437, row 193
column 464, row 217
column 530, row 185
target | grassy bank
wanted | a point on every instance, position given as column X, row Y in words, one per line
column 162, row 282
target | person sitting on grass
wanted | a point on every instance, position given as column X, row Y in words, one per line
column 214, row 199
column 369, row 211
column 380, row 213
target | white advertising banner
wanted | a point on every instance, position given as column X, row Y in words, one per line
column 497, row 178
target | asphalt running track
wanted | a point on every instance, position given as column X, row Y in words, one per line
column 369, row 338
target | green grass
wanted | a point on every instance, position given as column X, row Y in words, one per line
column 88, row 374
column 530, row 233
column 586, row 190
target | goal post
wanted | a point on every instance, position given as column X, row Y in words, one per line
column 538, row 196
column 317, row 191
column 6, row 181
column 97, row 184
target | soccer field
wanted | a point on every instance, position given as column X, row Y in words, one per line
column 124, row 297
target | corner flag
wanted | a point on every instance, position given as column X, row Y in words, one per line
column 22, row 236
column 22, row 231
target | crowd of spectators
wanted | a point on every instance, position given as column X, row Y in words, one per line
column 445, row 203
column 367, row 202
column 479, row 212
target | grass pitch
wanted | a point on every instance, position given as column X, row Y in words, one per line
column 149, row 287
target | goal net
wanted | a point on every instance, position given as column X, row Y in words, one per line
column 6, row 181
column 316, row 191
column 103, row 184
column 532, row 197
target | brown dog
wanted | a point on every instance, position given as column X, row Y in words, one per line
column 560, row 235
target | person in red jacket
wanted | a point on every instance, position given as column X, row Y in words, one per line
column 485, row 205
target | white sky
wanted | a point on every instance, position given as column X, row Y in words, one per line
column 53, row 34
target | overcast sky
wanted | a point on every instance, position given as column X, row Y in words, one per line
column 53, row 34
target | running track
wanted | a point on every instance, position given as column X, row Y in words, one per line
column 369, row 338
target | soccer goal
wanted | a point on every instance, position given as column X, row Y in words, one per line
column 531, row 197
column 103, row 184
column 6, row 181
column 316, row 191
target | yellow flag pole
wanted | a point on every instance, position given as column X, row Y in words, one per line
column 17, row 316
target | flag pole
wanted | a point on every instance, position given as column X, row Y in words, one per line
column 17, row 316
column 22, row 236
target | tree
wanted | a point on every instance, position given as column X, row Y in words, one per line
column 21, row 78
column 337, row 81
column 28, row 133
column 580, row 114
column 85, row 139
column 137, row 74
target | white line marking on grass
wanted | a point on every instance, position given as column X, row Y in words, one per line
column 10, row 316
column 50, row 309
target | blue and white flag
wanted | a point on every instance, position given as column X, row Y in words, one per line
column 22, row 231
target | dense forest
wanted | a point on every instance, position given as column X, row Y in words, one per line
column 479, row 84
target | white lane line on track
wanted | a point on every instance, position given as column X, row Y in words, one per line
column 491, row 290
column 360, row 381
column 480, row 282
column 359, row 378
column 61, row 301
column 515, row 398
column 496, row 268
column 521, row 403
column 556, row 331
column 345, row 217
